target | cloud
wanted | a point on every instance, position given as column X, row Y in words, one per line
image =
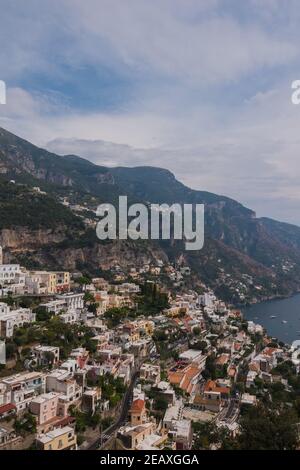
column 254, row 159
column 195, row 42
column 201, row 88
column 161, row 38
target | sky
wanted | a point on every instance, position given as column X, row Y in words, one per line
column 201, row 87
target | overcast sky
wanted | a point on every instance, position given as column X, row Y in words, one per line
column 201, row 87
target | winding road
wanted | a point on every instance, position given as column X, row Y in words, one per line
column 109, row 432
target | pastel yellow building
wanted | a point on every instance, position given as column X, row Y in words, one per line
column 58, row 439
column 47, row 282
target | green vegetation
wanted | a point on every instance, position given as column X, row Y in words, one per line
column 21, row 206
column 261, row 428
column 151, row 301
column 208, row 434
column 117, row 314
column 55, row 333
column 160, row 404
column 264, row 428
column 42, row 315
column 84, row 420
column 112, row 389
column 25, row 424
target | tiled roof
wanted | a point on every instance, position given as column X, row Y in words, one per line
column 137, row 406
column 7, row 407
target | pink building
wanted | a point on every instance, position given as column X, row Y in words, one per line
column 44, row 407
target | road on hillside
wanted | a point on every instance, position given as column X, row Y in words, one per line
column 107, row 434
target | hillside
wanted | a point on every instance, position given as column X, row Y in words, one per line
column 239, row 248
column 23, row 206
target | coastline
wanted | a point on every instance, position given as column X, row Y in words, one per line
column 279, row 316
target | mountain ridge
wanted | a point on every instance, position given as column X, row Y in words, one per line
column 237, row 243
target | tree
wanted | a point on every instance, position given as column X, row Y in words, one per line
column 210, row 368
column 268, row 429
column 84, row 280
column 161, row 403
column 26, row 424
column 92, row 307
column 11, row 350
column 207, row 434
column 116, row 315
column 88, row 297
column 42, row 314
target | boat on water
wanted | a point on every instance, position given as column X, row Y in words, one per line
column 284, row 321
column 273, row 316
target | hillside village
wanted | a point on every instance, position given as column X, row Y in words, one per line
column 128, row 361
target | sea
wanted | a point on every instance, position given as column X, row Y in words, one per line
column 280, row 318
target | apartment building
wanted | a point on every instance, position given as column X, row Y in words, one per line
column 9, row 272
column 46, row 354
column 55, row 306
column 14, row 319
column 62, row 382
column 40, row 282
column 130, row 437
column 127, row 288
column 180, row 432
column 58, row 439
column 47, row 282
column 12, row 279
column 72, row 300
column 150, row 373
column 44, row 407
column 71, row 316
column 138, row 412
column 22, row 388
column 91, row 400
column 62, row 281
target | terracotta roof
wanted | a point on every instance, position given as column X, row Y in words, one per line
column 223, row 359
column 211, row 386
column 188, row 377
column 7, row 407
column 199, row 400
column 269, row 351
column 137, row 406
column 176, row 377
column 253, row 366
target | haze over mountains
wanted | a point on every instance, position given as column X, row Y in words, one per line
column 257, row 257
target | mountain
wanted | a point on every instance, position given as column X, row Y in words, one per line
column 244, row 257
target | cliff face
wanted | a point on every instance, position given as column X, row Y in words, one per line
column 105, row 256
column 22, row 239
column 241, row 251
column 45, row 248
